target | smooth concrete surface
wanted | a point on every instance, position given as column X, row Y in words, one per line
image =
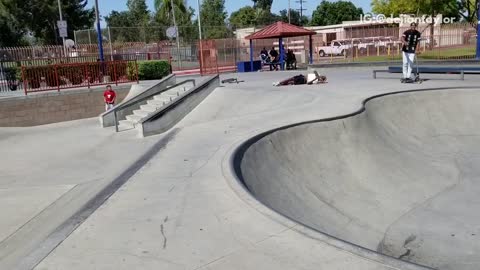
column 137, row 92
column 49, row 172
column 185, row 209
column 400, row 177
column 165, row 118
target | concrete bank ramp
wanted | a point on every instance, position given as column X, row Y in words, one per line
column 400, row 177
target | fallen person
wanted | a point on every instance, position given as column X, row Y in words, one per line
column 318, row 78
column 300, row 79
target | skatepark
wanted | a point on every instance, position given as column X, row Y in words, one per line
column 351, row 174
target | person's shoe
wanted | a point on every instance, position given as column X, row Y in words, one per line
column 408, row 80
column 402, row 80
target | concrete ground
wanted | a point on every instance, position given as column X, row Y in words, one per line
column 181, row 207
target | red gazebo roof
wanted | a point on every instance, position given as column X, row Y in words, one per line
column 281, row 29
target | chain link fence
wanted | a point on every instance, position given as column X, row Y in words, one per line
column 342, row 44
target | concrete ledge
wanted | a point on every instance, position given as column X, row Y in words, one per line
column 177, row 110
column 107, row 118
column 53, row 107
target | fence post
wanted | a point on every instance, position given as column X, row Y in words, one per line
column 136, row 69
column 24, row 79
column 56, row 76
column 111, row 46
column 86, row 76
column 115, row 72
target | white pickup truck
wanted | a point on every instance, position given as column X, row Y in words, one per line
column 336, row 48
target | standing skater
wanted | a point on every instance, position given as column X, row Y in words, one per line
column 410, row 40
column 109, row 98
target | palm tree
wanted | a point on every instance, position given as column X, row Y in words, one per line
column 163, row 9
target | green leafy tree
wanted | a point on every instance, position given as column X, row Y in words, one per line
column 294, row 17
column 138, row 12
column 122, row 27
column 164, row 10
column 183, row 17
column 213, row 19
column 448, row 8
column 12, row 29
column 43, row 16
column 131, row 25
column 244, row 17
column 39, row 18
column 265, row 17
column 467, row 10
column 263, row 4
column 328, row 13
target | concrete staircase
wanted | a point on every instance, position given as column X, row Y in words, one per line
column 152, row 105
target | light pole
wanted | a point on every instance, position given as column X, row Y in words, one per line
column 199, row 21
column 200, row 37
column 477, row 54
column 61, row 19
column 99, row 31
column 289, row 11
column 176, row 35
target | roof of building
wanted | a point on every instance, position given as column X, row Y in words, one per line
column 280, row 29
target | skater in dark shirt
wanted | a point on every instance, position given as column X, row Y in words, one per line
column 411, row 40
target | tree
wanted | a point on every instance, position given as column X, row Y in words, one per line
column 294, row 17
column 263, row 4
column 213, row 19
column 44, row 15
column 448, row 8
column 164, row 13
column 122, row 27
column 138, row 12
column 432, row 8
column 244, row 17
column 12, row 30
column 468, row 11
column 130, row 25
column 39, row 17
column 328, row 13
column 183, row 16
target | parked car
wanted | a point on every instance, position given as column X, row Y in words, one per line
column 335, row 47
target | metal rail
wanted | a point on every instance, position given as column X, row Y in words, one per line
column 133, row 103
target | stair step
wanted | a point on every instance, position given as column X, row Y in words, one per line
column 163, row 98
column 134, row 118
column 171, row 93
column 150, row 107
column 141, row 113
column 126, row 124
column 157, row 103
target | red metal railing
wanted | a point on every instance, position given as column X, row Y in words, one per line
column 64, row 76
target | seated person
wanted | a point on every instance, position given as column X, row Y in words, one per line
column 291, row 60
column 274, row 56
column 264, row 56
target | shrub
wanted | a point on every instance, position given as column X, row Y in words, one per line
column 13, row 76
column 149, row 70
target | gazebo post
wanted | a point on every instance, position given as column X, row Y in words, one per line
column 310, row 47
column 251, row 55
column 280, row 44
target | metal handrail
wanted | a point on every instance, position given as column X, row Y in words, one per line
column 122, row 106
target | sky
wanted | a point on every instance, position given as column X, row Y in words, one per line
column 106, row 6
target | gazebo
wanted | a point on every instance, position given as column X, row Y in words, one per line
column 281, row 30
